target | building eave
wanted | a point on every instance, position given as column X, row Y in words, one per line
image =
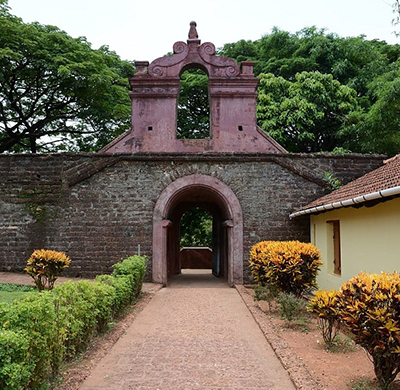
column 393, row 191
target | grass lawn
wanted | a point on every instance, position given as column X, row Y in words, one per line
column 8, row 291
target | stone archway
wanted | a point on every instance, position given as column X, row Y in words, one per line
column 197, row 189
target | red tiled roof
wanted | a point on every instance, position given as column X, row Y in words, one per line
column 360, row 190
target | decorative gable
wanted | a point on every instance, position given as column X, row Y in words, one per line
column 232, row 96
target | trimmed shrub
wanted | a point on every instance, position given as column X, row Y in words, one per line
column 44, row 329
column 83, row 309
column 325, row 304
column 34, row 316
column 369, row 306
column 135, row 266
column 45, row 266
column 15, row 367
column 291, row 266
column 124, row 291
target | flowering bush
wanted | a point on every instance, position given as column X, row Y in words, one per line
column 369, row 306
column 291, row 266
column 45, row 266
column 325, row 304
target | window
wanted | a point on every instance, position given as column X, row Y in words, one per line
column 334, row 247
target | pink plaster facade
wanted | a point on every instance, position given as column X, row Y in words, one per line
column 232, row 95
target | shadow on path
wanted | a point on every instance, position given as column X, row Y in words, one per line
column 197, row 278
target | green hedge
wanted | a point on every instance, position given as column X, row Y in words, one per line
column 132, row 266
column 41, row 330
column 16, row 368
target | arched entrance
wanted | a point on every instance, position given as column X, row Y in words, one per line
column 216, row 197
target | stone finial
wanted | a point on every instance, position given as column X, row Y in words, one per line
column 193, row 32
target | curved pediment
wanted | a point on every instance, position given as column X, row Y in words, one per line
column 193, row 54
column 231, row 93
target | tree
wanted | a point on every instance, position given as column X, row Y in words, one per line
column 396, row 11
column 311, row 49
column 56, row 92
column 307, row 114
column 196, row 228
column 303, row 121
column 378, row 129
column 193, row 106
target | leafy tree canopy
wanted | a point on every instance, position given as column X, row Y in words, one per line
column 378, row 129
column 321, row 92
column 193, row 106
column 318, row 91
column 56, row 92
column 196, row 228
column 305, row 114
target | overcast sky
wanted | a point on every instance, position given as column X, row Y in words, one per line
column 144, row 30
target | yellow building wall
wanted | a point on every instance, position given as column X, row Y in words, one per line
column 369, row 239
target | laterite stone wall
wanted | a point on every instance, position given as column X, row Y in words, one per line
column 98, row 208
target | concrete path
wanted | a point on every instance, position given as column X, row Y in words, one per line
column 195, row 334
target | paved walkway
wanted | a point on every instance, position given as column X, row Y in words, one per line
column 195, row 334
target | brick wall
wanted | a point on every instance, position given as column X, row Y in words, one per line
column 99, row 208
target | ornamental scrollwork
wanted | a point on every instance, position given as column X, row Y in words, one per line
column 158, row 68
column 207, row 53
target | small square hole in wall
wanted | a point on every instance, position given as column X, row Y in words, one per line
column 150, row 128
column 240, row 128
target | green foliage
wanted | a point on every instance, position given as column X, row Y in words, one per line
column 134, row 266
column 307, row 113
column 35, row 316
column 345, row 110
column 45, row 266
column 193, row 106
column 196, row 228
column 291, row 266
column 341, row 344
column 266, row 293
column 10, row 287
column 332, row 183
column 49, row 327
column 378, row 129
column 124, row 290
column 57, row 86
column 9, row 292
column 319, row 91
column 291, row 308
column 361, row 384
column 15, row 367
column 83, row 308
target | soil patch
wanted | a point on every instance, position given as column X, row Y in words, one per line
column 304, row 352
